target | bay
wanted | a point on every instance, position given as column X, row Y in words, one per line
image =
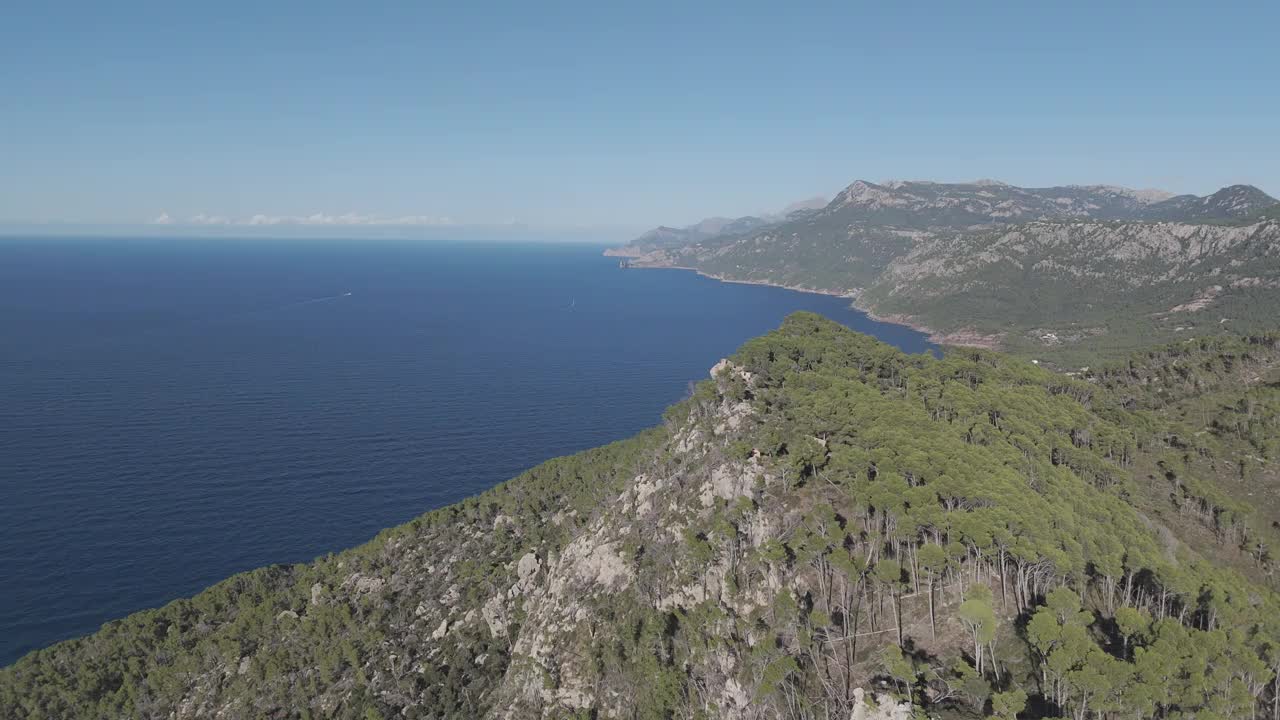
column 173, row 411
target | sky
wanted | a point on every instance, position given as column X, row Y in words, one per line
column 610, row 116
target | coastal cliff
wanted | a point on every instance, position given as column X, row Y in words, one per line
column 1074, row 273
column 824, row 521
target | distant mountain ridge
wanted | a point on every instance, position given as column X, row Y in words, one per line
column 1232, row 202
column 992, row 201
column 870, row 240
column 665, row 236
column 923, row 203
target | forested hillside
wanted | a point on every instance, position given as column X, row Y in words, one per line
column 1216, row 403
column 825, row 521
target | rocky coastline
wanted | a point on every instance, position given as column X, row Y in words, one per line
column 964, row 337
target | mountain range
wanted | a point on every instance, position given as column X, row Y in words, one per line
column 1022, row 268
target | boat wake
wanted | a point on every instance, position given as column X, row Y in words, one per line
column 309, row 301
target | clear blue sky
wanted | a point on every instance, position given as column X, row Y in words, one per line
column 613, row 114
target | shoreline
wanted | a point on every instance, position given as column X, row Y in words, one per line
column 958, row 338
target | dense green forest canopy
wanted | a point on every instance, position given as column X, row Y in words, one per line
column 972, row 534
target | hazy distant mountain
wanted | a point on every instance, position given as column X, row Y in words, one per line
column 931, row 204
column 923, row 204
column 1234, row 202
column 814, row 203
column 665, row 237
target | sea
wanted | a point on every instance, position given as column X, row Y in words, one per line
column 173, row 411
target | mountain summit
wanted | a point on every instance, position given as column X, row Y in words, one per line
column 1232, row 202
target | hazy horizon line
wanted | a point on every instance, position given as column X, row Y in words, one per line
column 520, row 232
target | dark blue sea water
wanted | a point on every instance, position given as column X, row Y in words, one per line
column 175, row 411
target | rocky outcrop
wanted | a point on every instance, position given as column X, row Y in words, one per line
column 884, row 707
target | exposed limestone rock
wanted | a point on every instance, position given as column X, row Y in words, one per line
column 733, row 417
column 644, row 488
column 688, row 441
column 735, row 699
column 730, row 481
column 596, row 562
column 727, row 366
column 709, row 585
column 496, row 616
column 528, row 567
column 451, row 596
column 884, row 708
column 365, row 584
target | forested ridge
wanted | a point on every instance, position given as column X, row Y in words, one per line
column 827, row 519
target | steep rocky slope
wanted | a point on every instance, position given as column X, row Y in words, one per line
column 824, row 521
column 1043, row 286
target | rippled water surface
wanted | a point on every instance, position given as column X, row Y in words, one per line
column 174, row 411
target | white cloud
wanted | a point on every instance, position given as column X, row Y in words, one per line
column 348, row 219
column 162, row 219
column 203, row 219
column 421, row 220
